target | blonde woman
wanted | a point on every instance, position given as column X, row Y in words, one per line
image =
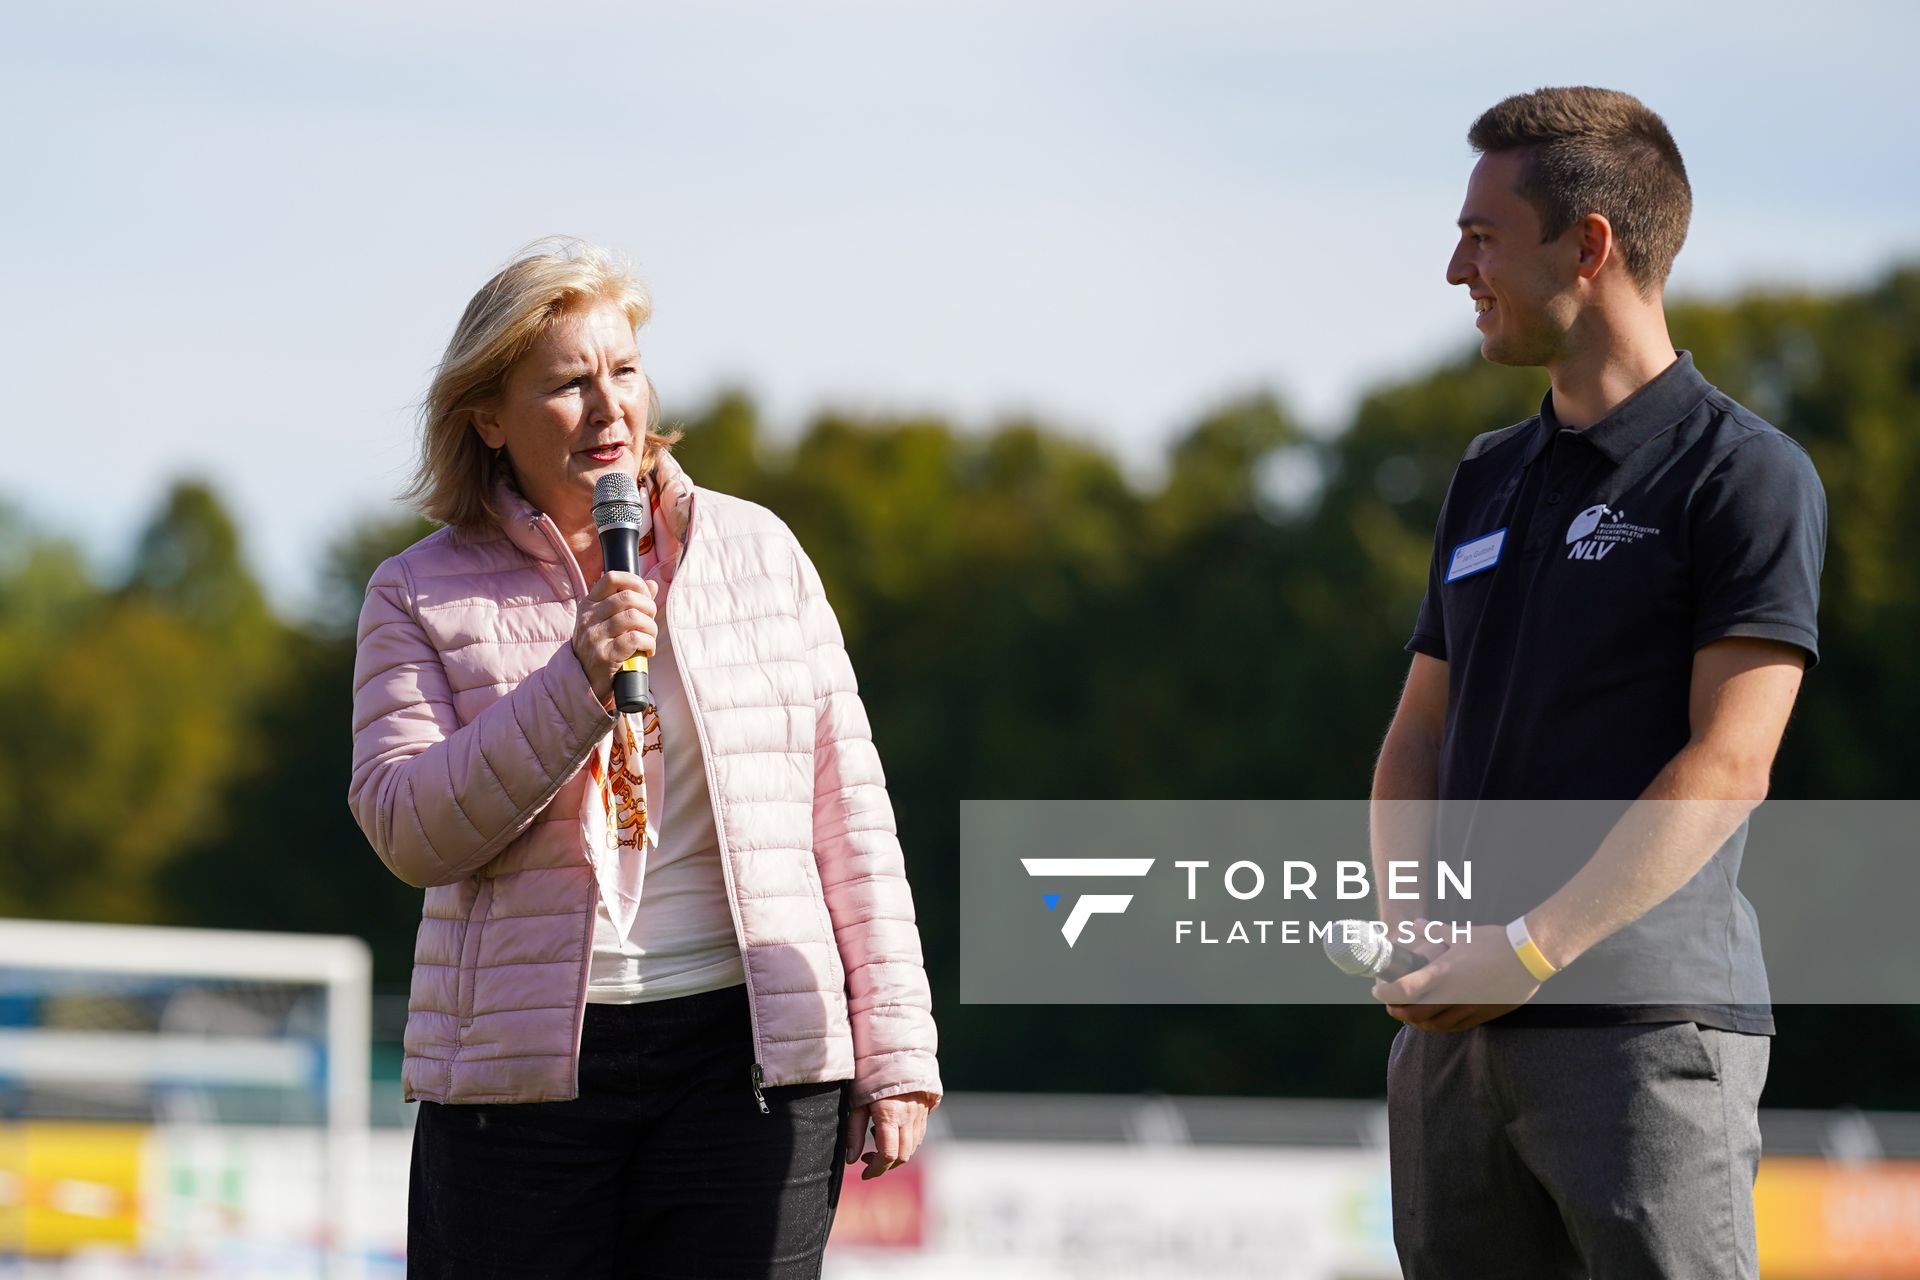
column 667, row 970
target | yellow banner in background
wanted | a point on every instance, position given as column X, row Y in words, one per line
column 67, row 1184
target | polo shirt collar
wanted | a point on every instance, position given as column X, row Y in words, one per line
column 1673, row 394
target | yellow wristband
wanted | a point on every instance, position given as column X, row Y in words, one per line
column 1529, row 951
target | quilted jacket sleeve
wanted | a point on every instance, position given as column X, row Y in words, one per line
column 438, row 799
column 864, row 874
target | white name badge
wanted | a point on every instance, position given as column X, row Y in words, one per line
column 1478, row 554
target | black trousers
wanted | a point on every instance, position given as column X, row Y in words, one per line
column 662, row 1167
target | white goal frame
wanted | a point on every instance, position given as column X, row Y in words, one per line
column 342, row 965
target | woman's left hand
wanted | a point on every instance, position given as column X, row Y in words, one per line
column 899, row 1126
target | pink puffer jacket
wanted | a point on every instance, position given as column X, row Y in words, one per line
column 472, row 719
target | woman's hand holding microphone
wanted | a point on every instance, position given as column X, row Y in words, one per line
column 616, row 623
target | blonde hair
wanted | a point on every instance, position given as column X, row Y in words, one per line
column 544, row 282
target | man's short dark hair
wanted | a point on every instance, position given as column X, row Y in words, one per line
column 1597, row 151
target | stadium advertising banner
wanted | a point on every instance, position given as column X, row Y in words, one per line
column 242, row 1201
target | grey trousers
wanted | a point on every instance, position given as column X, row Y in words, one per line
column 1616, row 1153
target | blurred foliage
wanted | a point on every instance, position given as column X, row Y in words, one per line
column 129, row 709
column 1025, row 622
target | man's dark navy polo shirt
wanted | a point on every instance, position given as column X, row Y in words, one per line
column 1574, row 574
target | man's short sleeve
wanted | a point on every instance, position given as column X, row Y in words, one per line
column 1759, row 530
column 1430, row 627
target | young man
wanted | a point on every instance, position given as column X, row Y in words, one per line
column 1620, row 608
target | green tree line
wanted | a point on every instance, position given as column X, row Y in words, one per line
column 1026, row 623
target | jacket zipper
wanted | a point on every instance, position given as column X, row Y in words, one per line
column 720, row 833
column 575, row 583
column 719, row 829
column 586, row 980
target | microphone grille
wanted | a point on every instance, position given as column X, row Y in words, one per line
column 1357, row 950
column 616, row 501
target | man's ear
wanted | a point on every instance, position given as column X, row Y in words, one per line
column 1597, row 245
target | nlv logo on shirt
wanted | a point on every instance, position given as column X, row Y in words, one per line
column 1599, row 529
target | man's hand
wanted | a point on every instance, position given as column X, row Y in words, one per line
column 1484, row 967
column 899, row 1126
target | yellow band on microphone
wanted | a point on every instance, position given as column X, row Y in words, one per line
column 638, row 662
column 1529, row 951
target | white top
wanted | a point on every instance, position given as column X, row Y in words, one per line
column 682, row 941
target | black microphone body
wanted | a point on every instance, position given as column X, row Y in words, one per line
column 617, row 512
column 620, row 549
column 1401, row 961
column 620, row 553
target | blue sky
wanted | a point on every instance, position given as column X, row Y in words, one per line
column 241, row 233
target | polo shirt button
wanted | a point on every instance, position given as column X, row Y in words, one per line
column 1553, row 499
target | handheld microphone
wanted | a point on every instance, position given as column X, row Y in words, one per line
column 620, row 516
column 1362, row 952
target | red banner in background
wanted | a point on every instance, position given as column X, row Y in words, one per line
column 890, row 1212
